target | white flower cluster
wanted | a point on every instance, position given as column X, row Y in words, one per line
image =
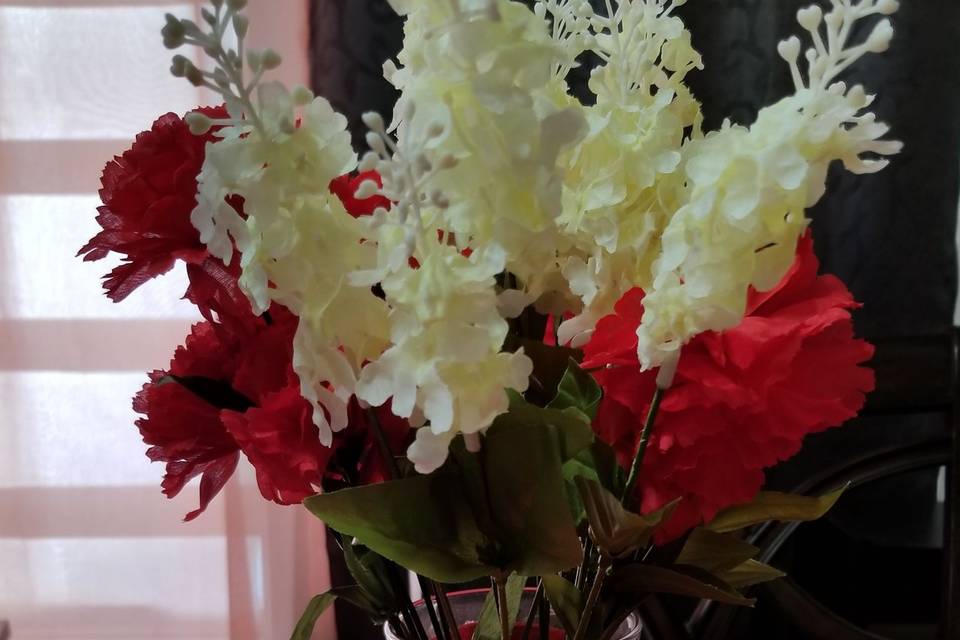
column 509, row 192
column 746, row 189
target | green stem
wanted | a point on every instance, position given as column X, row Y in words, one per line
column 627, row 498
column 534, row 606
column 500, row 584
column 446, row 612
column 393, row 472
column 592, row 599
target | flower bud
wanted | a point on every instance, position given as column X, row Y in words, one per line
column 810, row 17
column 789, row 49
column 241, row 24
column 271, row 59
column 375, row 142
column 879, row 40
column 301, row 95
column 194, row 76
column 236, row 5
column 216, row 3
column 368, row 162
column 374, row 121
column 199, row 123
column 888, row 7
column 173, row 33
column 179, row 66
column 208, row 17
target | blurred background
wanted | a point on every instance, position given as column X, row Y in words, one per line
column 90, row 549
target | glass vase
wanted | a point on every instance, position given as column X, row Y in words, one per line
column 466, row 607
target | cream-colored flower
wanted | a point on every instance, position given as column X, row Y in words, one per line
column 617, row 189
column 748, row 188
column 447, row 336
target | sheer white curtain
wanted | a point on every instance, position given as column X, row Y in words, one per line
column 88, row 546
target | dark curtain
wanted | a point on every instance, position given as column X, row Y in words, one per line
column 890, row 236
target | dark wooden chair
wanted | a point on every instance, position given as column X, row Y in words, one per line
column 915, row 377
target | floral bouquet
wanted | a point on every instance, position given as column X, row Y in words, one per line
column 523, row 338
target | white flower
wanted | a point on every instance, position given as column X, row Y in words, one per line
column 748, row 189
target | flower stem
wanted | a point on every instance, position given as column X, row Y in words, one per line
column 393, row 471
column 592, row 599
column 627, row 498
column 442, row 631
column 500, row 584
column 534, row 606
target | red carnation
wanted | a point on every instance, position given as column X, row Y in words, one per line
column 231, row 388
column 148, row 194
column 182, row 426
column 345, row 187
column 742, row 400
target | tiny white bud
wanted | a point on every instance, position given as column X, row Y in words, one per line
column 374, row 121
column 367, row 189
column 375, row 142
column 810, row 17
column 271, row 59
column 199, row 123
column 888, row 7
column 789, row 49
column 838, row 88
column 301, row 95
column 369, row 161
column 880, row 37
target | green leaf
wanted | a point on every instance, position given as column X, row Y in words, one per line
column 616, row 531
column 319, row 604
column 488, row 623
column 636, row 580
column 771, row 505
column 715, row 552
column 750, row 573
column 571, row 424
column 369, row 570
column 597, row 462
column 549, row 366
column 566, row 600
column 522, row 456
column 422, row 523
column 579, row 390
column 311, row 614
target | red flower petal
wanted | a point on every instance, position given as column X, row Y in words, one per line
column 742, row 400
